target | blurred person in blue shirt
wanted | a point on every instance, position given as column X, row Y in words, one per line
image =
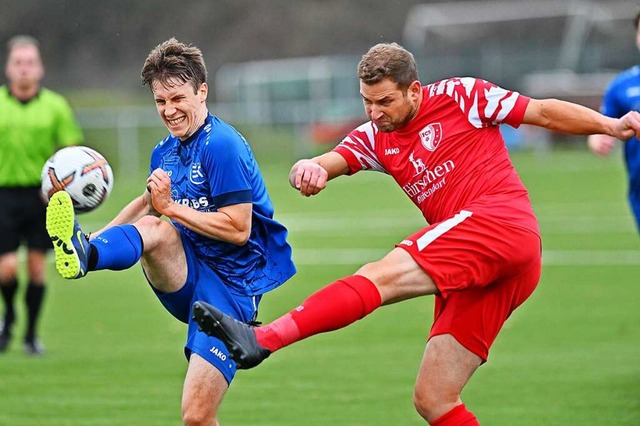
column 221, row 242
column 621, row 96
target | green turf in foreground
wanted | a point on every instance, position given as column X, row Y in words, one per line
column 569, row 356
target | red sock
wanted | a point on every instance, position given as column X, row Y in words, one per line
column 457, row 416
column 335, row 306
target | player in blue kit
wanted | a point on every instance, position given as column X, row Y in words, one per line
column 621, row 96
column 221, row 244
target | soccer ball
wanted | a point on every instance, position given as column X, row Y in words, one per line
column 80, row 171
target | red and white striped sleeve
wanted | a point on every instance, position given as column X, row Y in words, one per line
column 359, row 149
column 483, row 103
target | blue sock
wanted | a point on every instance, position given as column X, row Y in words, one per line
column 117, row 248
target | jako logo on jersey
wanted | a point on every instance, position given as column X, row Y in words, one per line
column 431, row 136
column 196, row 176
column 391, row 151
column 217, row 352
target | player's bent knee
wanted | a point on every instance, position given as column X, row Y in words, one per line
column 387, row 271
column 197, row 413
column 380, row 276
column 421, row 406
column 431, row 404
column 155, row 231
column 149, row 222
column 370, row 270
column 398, row 277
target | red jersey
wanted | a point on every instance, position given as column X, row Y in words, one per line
column 451, row 156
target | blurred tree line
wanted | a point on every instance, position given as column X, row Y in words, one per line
column 96, row 44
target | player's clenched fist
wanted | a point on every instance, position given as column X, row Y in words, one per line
column 308, row 177
column 159, row 185
column 630, row 125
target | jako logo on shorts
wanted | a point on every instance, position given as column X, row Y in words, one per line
column 217, row 352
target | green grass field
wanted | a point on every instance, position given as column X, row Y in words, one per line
column 569, row 356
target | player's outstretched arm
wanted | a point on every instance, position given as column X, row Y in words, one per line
column 311, row 176
column 567, row 117
column 135, row 210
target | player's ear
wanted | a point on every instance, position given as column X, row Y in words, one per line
column 203, row 90
column 414, row 89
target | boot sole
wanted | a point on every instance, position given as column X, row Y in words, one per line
column 60, row 224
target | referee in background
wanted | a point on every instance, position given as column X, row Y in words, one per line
column 34, row 123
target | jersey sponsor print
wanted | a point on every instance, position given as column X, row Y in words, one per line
column 215, row 168
column 451, row 156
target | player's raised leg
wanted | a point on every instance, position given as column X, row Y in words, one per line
column 396, row 277
column 116, row 248
column 70, row 244
column 332, row 307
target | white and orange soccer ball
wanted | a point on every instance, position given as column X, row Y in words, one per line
column 80, row 171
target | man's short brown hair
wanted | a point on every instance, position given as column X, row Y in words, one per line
column 173, row 61
column 388, row 60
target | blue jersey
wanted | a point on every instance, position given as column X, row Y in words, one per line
column 621, row 96
column 215, row 168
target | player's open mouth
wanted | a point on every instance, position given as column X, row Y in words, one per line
column 176, row 121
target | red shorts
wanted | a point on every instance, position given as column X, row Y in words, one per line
column 484, row 269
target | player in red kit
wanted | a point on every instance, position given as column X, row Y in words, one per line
column 480, row 255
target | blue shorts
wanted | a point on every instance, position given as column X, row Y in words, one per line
column 203, row 283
